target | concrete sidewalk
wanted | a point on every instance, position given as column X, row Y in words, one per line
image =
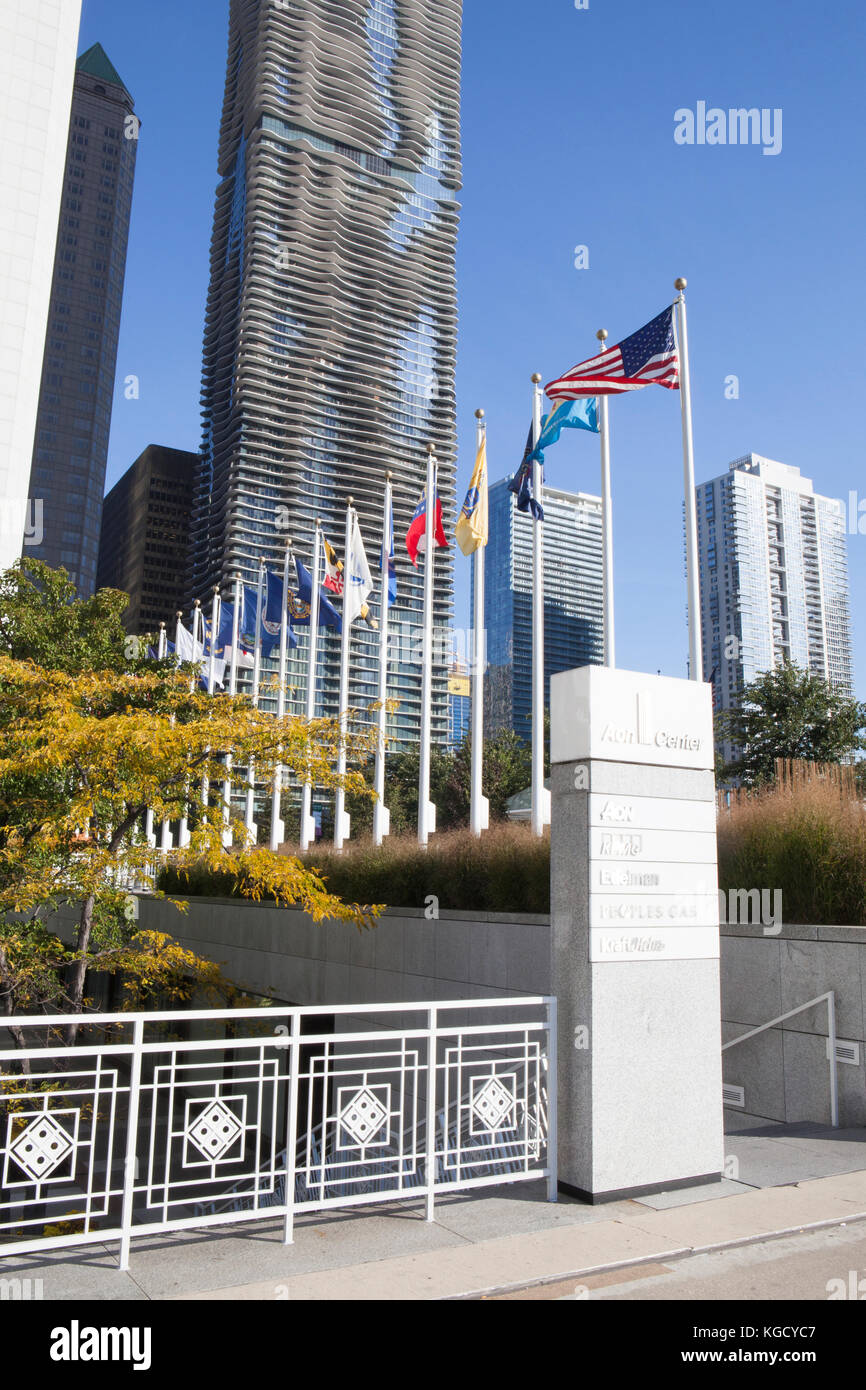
column 786, row 1180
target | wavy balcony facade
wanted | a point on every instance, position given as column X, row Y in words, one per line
column 331, row 329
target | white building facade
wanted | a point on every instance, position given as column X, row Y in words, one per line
column 38, row 42
column 774, row 578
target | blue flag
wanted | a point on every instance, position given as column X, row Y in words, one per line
column 388, row 563
column 300, row 604
column 521, row 484
column 272, row 618
column 577, row 415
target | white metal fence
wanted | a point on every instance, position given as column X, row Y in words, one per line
column 175, row 1121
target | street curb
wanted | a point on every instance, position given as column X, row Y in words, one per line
column 679, row 1253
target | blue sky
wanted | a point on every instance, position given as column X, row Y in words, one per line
column 568, row 141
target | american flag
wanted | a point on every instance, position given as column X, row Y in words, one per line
column 649, row 357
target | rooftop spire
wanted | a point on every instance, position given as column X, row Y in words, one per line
column 96, row 63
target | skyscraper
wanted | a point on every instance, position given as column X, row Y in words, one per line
column 459, row 704
column 330, row 337
column 38, row 39
column 774, row 577
column 71, row 445
column 144, row 546
column 573, row 606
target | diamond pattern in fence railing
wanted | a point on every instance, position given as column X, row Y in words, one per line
column 493, row 1103
column 364, row 1116
column 214, row 1130
column 42, row 1147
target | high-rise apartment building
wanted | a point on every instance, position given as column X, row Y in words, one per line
column 774, row 578
column 573, row 604
column 38, row 40
column 144, row 547
column 71, row 446
column 330, row 338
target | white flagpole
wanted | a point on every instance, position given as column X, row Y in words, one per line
column 228, row 834
column 540, row 803
column 249, row 819
column 426, row 811
column 278, row 826
column 183, row 828
column 149, row 833
column 342, row 826
column 166, row 840
column 607, row 522
column 381, row 814
column 696, row 661
column 308, row 825
column 215, row 618
column 479, row 811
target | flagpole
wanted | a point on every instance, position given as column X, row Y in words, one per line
column 183, row 828
column 381, row 814
column 426, row 813
column 696, row 663
column 607, row 522
column 539, row 818
column 166, row 838
column 479, row 806
column 215, row 616
column 342, row 828
column 149, row 833
column 278, row 827
column 249, row 819
column 308, row 827
column 228, row 834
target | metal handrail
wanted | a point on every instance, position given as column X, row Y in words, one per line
column 830, row 1000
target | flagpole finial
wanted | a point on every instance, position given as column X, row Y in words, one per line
column 479, row 415
column 537, row 378
column 179, row 614
column 431, row 448
column 680, row 283
column 389, row 475
column 350, row 501
column 602, row 335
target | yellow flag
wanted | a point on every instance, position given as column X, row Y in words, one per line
column 473, row 527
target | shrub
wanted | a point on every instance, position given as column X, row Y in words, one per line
column 809, row 841
column 508, row 870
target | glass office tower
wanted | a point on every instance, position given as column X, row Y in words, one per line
column 573, row 605
column 330, row 338
column 70, row 451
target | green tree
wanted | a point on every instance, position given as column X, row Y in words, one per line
column 790, row 713
column 43, row 620
column 507, row 771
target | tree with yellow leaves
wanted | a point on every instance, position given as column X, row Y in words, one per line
column 84, row 755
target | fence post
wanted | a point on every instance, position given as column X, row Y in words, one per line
column 129, row 1166
column 291, row 1129
column 430, row 1163
column 552, row 1102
